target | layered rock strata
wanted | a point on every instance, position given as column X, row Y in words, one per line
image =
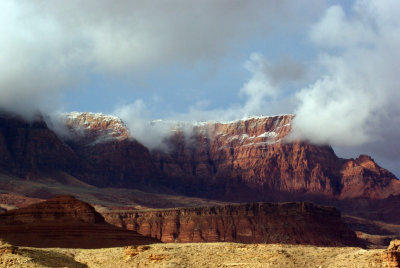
column 293, row 223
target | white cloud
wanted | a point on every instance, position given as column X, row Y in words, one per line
column 266, row 85
column 48, row 46
column 259, row 88
column 354, row 103
column 137, row 118
column 260, row 95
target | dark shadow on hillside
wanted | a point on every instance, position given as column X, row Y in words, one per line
column 51, row 258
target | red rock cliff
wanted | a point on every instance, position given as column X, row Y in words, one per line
column 294, row 223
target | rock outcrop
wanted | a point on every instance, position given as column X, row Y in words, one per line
column 391, row 256
column 293, row 223
column 64, row 222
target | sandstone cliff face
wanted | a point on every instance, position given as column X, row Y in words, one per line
column 63, row 222
column 294, row 223
column 362, row 177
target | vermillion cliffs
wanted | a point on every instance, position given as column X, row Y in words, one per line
column 242, row 161
column 232, row 160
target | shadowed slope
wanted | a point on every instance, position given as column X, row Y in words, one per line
column 64, row 222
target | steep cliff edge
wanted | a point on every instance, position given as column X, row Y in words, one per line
column 293, row 223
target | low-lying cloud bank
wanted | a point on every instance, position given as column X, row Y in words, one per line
column 348, row 96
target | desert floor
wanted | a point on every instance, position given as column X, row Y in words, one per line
column 197, row 255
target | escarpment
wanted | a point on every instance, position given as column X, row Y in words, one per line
column 293, row 223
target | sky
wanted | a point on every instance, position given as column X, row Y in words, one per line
column 334, row 64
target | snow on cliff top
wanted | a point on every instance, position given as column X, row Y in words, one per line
column 104, row 117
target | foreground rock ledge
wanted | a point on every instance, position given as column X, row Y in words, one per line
column 290, row 223
column 391, row 256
